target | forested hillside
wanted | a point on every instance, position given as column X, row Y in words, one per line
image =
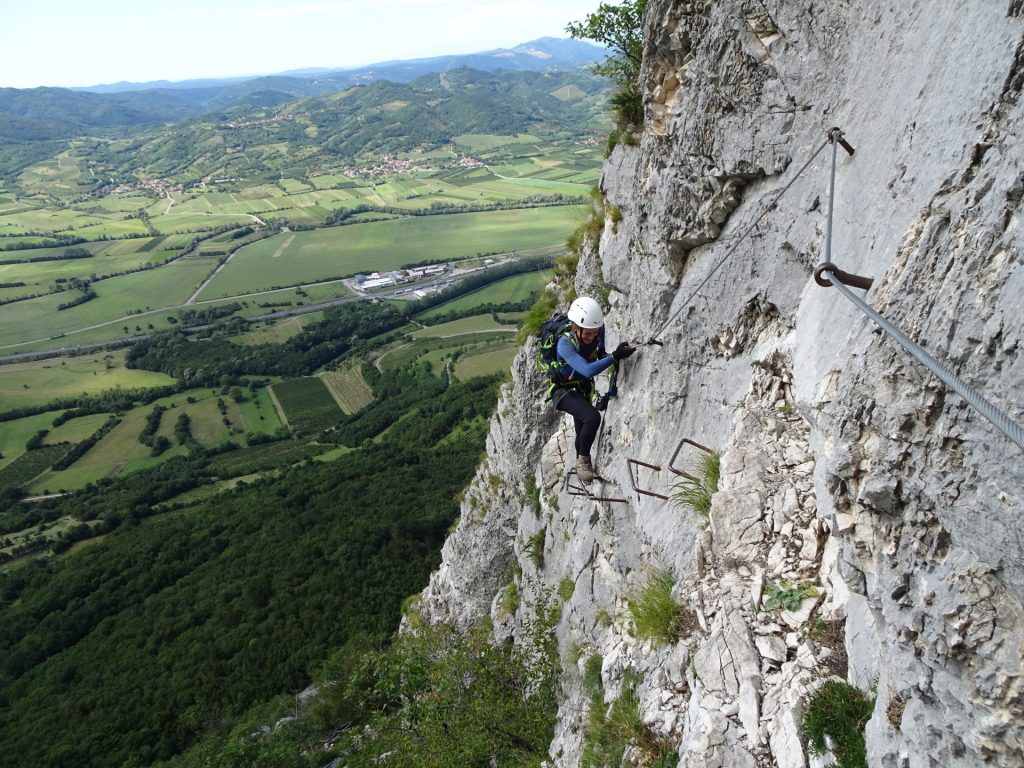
column 171, row 627
column 330, row 118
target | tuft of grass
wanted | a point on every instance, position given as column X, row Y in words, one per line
column 695, row 492
column 535, row 548
column 510, row 599
column 592, row 674
column 566, row 589
column 541, row 310
column 608, row 731
column 894, row 711
column 838, row 712
column 656, row 614
column 533, row 496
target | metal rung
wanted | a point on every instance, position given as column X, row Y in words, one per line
column 672, row 461
column 630, row 463
column 582, row 490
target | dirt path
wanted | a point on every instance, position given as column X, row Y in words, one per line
column 283, row 247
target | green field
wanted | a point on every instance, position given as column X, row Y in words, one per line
column 512, row 289
column 76, row 430
column 271, row 333
column 308, row 405
column 120, row 452
column 406, row 352
column 292, row 258
column 20, row 472
column 484, row 361
column 263, row 457
column 349, row 388
column 40, row 381
column 118, row 299
column 14, row 434
column 464, row 326
column 259, row 416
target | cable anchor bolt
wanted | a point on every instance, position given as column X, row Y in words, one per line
column 846, row 278
column 836, row 136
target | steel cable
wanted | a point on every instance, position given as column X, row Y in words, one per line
column 999, row 419
column 768, row 208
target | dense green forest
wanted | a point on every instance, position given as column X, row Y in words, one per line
column 171, row 627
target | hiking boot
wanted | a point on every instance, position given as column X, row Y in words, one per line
column 584, row 469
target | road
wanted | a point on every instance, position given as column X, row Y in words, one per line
column 21, row 357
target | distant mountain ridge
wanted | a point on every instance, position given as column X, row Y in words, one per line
column 543, row 53
column 37, row 122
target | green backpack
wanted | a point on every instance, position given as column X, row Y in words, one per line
column 547, row 344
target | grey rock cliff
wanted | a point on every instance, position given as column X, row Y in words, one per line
column 845, row 464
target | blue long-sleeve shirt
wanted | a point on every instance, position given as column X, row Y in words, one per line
column 576, row 361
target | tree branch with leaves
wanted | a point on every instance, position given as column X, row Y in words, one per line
column 620, row 27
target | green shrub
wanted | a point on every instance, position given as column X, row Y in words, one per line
column 695, row 492
column 656, row 614
column 444, row 698
column 542, row 309
column 839, row 711
column 620, row 27
column 786, row 595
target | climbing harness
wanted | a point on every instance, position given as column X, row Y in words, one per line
column 828, row 275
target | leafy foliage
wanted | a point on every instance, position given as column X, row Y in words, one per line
column 445, row 700
column 786, row 595
column 217, row 360
column 609, row 730
column 216, row 607
column 620, row 28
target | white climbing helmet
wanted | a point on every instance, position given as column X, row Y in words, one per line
column 586, row 313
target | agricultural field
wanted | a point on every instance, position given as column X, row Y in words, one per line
column 20, row 472
column 40, row 381
column 76, row 430
column 109, row 257
column 462, row 327
column 512, row 289
column 258, row 413
column 117, row 300
column 14, row 434
column 484, row 361
column 300, row 257
column 422, row 348
column 349, row 388
column 307, row 404
column 272, row 332
column 120, row 452
column 258, row 458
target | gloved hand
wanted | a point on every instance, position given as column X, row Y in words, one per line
column 623, row 351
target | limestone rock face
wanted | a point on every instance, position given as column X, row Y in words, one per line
column 868, row 523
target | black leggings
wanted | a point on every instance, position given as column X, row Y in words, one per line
column 586, row 417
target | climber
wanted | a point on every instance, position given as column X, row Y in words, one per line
column 580, row 356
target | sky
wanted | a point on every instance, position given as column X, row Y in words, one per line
column 71, row 43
